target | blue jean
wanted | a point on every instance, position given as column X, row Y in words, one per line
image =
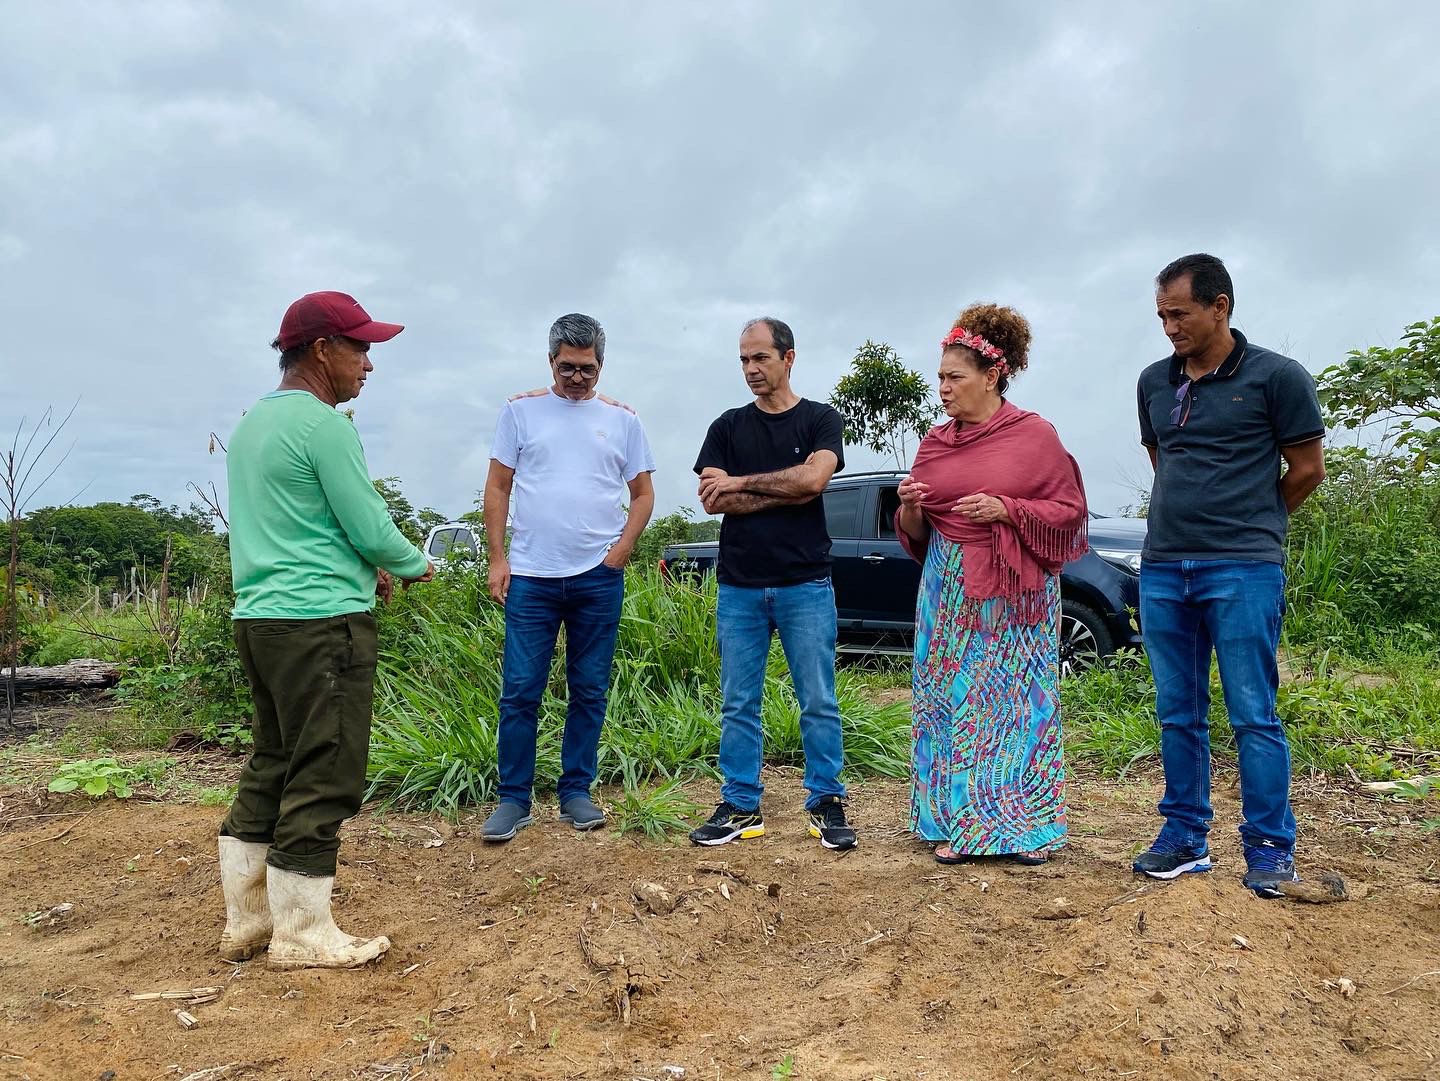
column 1187, row 608
column 804, row 616
column 588, row 605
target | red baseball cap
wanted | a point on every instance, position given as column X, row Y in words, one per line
column 319, row 315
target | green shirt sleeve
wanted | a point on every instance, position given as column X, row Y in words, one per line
column 339, row 463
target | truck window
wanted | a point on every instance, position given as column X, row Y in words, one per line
column 889, row 504
column 842, row 511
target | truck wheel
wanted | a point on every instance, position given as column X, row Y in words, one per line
column 1085, row 640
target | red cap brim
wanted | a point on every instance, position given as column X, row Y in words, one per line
column 374, row 331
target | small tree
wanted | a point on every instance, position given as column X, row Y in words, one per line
column 428, row 518
column 884, row 402
column 402, row 511
column 672, row 528
column 475, row 516
column 1399, row 387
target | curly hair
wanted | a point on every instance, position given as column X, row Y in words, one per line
column 1004, row 328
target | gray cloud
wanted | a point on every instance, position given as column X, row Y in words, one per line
column 173, row 174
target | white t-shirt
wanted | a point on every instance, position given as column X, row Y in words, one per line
column 572, row 462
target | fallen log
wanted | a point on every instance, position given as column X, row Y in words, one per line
column 79, row 675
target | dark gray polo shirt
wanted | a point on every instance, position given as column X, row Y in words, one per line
column 1217, row 477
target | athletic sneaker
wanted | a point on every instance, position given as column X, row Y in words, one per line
column 827, row 822
column 1266, row 868
column 729, row 824
column 1168, row 860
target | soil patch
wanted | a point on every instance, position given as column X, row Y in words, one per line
column 49, row 713
column 534, row 960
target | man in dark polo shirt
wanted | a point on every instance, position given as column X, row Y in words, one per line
column 764, row 467
column 1218, row 417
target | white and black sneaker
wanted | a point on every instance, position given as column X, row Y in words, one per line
column 1168, row 860
column 729, row 824
column 827, row 822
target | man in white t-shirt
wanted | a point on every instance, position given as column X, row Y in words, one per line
column 567, row 455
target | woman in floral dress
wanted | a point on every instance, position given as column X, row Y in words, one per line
column 994, row 506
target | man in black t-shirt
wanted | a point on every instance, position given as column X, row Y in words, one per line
column 764, row 467
column 1218, row 418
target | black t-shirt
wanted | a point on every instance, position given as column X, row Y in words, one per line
column 783, row 545
column 1217, row 478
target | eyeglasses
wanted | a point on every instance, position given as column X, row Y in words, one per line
column 1183, row 399
column 585, row 371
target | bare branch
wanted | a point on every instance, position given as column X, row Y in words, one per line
column 24, row 497
column 15, row 472
column 20, row 492
column 211, row 501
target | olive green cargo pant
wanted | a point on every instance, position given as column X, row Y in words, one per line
column 313, row 682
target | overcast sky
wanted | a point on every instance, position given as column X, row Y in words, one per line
column 173, row 174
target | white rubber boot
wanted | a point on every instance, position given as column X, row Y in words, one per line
column 247, row 910
column 305, row 934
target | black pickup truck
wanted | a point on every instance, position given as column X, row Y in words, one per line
column 876, row 582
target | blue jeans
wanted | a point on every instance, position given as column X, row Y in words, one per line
column 589, row 606
column 804, row 616
column 1187, row 608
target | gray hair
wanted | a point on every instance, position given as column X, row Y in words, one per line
column 580, row 331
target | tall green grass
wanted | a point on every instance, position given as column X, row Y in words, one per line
column 1375, row 722
column 1364, row 559
column 1108, row 715
column 439, row 683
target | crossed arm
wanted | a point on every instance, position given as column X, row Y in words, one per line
column 721, row 493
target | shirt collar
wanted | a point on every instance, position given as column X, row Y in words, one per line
column 1227, row 366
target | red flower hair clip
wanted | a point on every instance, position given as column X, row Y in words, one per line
column 961, row 336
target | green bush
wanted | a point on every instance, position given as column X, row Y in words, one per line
column 204, row 689
column 121, row 637
column 1364, row 558
column 55, row 642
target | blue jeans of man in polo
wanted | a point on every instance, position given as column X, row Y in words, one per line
column 1235, row 607
column 804, row 617
column 588, row 605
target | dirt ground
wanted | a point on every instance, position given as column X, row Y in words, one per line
column 533, row 960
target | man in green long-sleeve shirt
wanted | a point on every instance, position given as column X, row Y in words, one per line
column 310, row 542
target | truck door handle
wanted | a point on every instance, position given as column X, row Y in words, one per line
column 872, row 558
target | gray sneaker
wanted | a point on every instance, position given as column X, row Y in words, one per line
column 505, row 821
column 581, row 812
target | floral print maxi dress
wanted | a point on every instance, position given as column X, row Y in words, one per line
column 987, row 773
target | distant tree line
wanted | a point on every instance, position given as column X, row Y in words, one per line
column 69, row 551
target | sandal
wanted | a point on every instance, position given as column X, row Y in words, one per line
column 952, row 857
column 1031, row 859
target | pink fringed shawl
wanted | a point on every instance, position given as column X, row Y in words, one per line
column 1017, row 457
